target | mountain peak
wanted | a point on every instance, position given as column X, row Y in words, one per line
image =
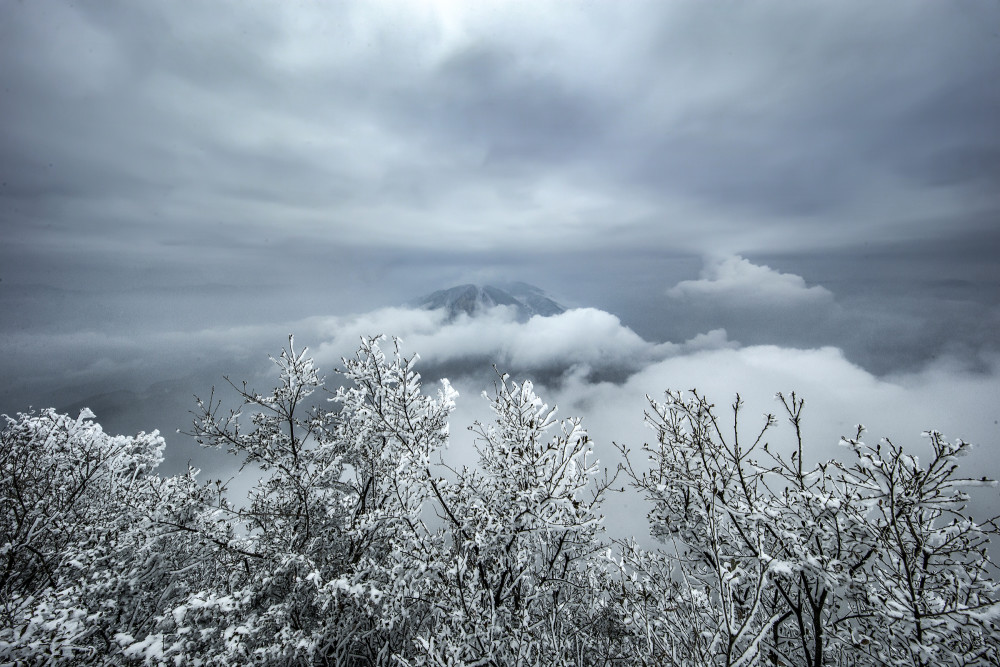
column 473, row 300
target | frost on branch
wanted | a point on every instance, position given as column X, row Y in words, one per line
column 523, row 529
column 929, row 576
column 773, row 561
column 84, row 557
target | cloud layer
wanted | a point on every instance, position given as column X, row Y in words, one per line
column 582, row 338
column 133, row 133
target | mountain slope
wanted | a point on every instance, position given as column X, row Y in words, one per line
column 471, row 300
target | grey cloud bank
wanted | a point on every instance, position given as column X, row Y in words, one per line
column 169, row 132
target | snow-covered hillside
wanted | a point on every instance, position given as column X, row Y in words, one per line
column 470, row 299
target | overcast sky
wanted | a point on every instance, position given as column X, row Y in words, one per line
column 750, row 197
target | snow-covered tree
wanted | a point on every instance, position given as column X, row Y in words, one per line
column 770, row 561
column 926, row 595
column 89, row 562
column 522, row 529
column 710, row 506
column 367, row 549
column 359, row 545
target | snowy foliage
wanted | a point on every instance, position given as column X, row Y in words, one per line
column 360, row 546
column 771, row 562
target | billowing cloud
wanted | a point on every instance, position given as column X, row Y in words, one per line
column 735, row 281
column 945, row 395
column 583, row 337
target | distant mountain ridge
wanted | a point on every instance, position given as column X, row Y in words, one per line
column 472, row 300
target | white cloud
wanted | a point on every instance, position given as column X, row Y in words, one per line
column 582, row 337
column 737, row 281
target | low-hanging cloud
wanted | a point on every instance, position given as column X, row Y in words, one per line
column 583, row 337
column 737, row 281
column 944, row 394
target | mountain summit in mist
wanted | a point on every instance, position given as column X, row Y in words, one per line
column 528, row 300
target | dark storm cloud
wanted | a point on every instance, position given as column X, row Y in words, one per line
column 951, row 136
column 138, row 119
column 489, row 96
column 738, row 197
column 836, row 100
